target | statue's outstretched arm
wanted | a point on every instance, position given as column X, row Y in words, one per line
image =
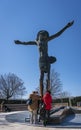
column 61, row 31
column 25, row 43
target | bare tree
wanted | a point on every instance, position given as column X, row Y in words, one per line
column 11, row 85
column 64, row 94
column 56, row 85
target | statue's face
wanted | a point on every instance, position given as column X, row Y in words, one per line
column 42, row 35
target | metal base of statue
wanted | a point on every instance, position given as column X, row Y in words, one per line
column 67, row 117
column 63, row 117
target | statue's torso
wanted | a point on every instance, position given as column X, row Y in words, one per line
column 43, row 49
column 43, row 52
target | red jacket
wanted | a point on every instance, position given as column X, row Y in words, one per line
column 47, row 99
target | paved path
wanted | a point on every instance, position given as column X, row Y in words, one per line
column 16, row 121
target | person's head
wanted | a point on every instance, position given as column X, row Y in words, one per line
column 49, row 91
column 33, row 92
column 36, row 92
column 43, row 35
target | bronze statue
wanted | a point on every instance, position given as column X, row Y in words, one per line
column 44, row 60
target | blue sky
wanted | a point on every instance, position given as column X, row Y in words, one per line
column 22, row 19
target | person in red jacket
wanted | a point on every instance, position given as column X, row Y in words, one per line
column 47, row 99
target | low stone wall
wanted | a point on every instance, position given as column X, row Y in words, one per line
column 14, row 107
column 59, row 104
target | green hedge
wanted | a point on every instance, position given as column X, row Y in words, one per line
column 74, row 100
column 64, row 100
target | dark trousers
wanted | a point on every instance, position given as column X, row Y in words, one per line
column 47, row 114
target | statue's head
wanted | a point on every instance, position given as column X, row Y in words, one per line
column 43, row 34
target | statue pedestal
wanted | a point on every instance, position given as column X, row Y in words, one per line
column 57, row 116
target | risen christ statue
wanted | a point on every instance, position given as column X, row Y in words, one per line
column 45, row 60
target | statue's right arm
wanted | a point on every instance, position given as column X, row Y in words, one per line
column 25, row 43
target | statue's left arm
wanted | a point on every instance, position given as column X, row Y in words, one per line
column 61, row 31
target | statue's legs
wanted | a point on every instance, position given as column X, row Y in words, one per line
column 41, row 83
column 48, row 84
column 48, row 80
column 51, row 60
